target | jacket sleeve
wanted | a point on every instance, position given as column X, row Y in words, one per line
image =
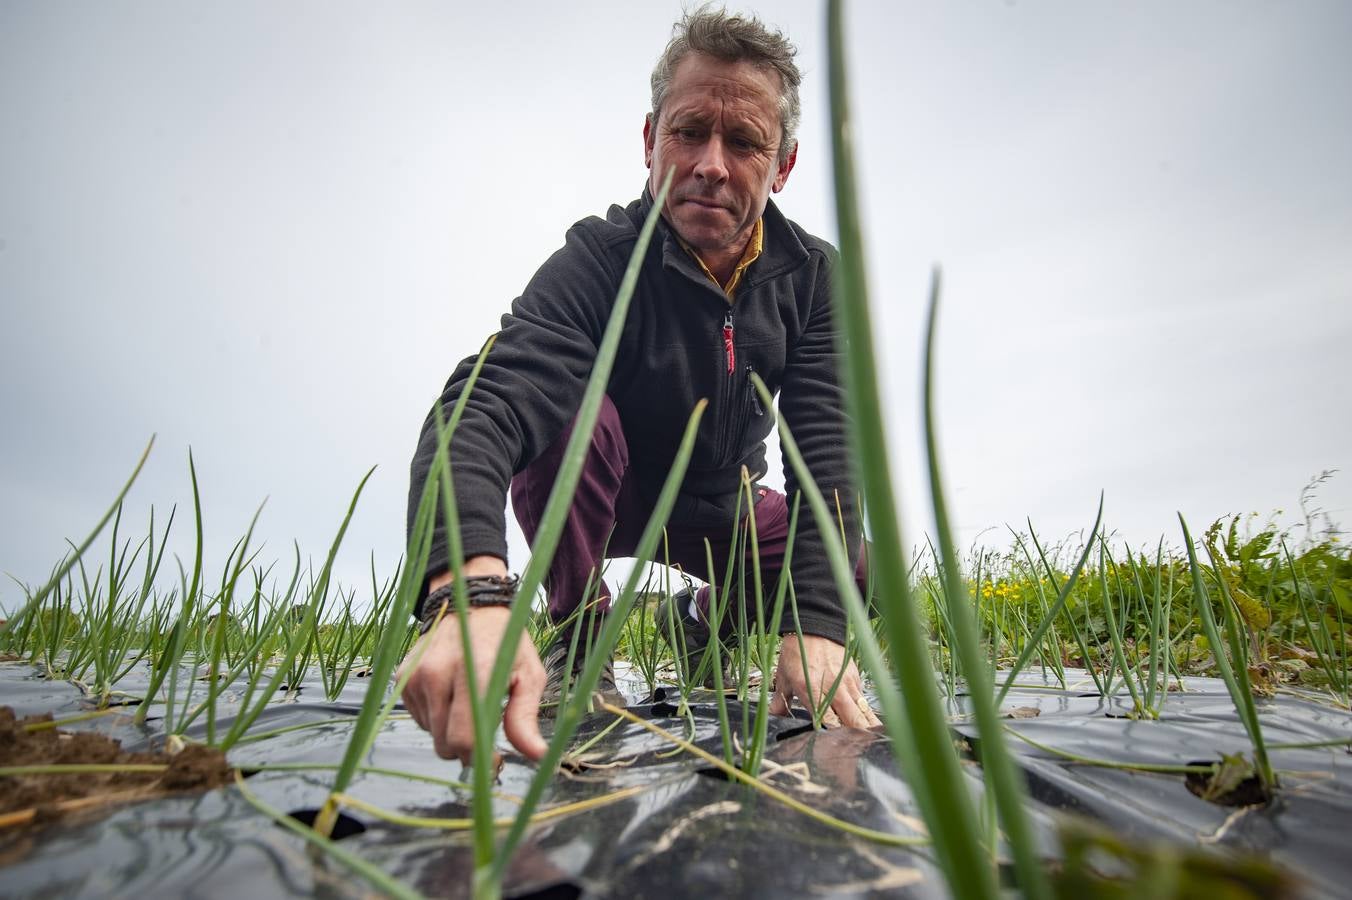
column 528, row 391
column 812, row 402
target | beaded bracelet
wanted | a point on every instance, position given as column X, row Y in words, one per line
column 480, row 590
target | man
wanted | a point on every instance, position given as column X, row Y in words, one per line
column 728, row 287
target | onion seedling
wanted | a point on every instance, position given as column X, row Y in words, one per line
column 1233, row 671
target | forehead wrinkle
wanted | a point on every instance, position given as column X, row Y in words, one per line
column 736, row 112
column 722, row 87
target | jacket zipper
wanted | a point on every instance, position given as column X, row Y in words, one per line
column 728, row 348
column 727, row 416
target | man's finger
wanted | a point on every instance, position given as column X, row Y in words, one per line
column 413, row 706
column 870, row 715
column 853, row 711
column 521, row 718
column 458, row 736
column 437, row 708
column 412, row 696
column 779, row 705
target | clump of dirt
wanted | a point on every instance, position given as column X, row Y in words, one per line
column 37, row 798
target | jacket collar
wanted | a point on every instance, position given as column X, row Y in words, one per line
column 783, row 250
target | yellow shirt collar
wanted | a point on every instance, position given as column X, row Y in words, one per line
column 750, row 255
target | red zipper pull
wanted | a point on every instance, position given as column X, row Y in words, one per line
column 727, row 343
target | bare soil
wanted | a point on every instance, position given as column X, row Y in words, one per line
column 31, row 799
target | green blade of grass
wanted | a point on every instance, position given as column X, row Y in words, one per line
column 1157, row 627
column 483, row 716
column 37, row 599
column 1005, row 779
column 715, row 650
column 1076, row 632
column 1049, row 617
column 1243, row 705
column 302, row 632
column 1321, row 641
column 168, row 667
column 370, row 718
column 560, row 497
column 756, row 752
column 919, row 752
column 372, row 873
column 1115, row 630
column 214, row 687
column 1239, row 659
column 570, row 714
column 920, row 732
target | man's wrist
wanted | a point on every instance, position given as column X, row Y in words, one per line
column 481, row 591
column 482, row 564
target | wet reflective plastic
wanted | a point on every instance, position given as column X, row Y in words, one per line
column 684, row 830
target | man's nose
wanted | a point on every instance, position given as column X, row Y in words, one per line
column 712, row 164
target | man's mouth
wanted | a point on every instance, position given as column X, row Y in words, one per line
column 704, row 202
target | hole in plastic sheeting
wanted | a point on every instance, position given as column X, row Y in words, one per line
column 564, row 890
column 715, row 774
column 1226, row 784
column 344, row 827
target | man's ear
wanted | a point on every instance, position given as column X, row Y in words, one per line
column 785, row 167
column 648, row 140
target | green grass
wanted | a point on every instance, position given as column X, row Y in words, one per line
column 255, row 631
column 1294, row 608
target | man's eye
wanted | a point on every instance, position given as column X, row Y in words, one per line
column 744, row 145
column 688, row 134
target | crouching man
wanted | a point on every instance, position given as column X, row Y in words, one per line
column 728, row 287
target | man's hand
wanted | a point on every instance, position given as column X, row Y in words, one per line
column 824, row 659
column 437, row 693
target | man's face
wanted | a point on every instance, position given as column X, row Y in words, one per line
column 720, row 128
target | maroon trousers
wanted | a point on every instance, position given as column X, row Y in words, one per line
column 611, row 508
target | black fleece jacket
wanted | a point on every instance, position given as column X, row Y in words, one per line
column 671, row 355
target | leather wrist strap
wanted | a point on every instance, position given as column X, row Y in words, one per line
column 480, row 590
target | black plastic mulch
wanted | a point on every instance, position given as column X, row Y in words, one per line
column 688, row 832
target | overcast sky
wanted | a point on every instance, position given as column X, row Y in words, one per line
column 267, row 232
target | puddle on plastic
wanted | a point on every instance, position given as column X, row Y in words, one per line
column 680, row 834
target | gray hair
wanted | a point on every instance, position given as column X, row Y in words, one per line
column 733, row 38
